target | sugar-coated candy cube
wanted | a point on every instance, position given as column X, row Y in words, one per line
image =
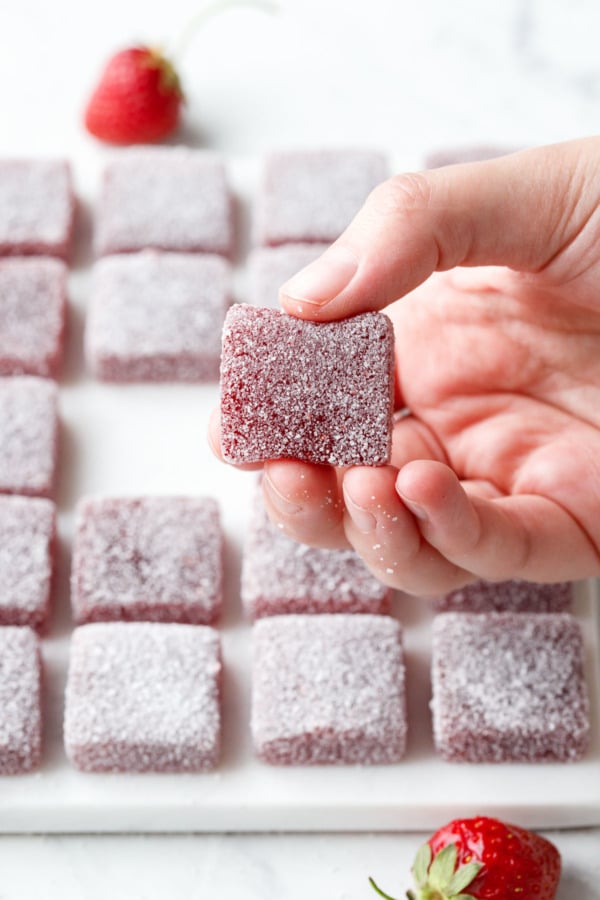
column 313, row 195
column 27, row 548
column 514, row 595
column 321, row 392
column 37, row 207
column 147, row 558
column 282, row 576
column 28, row 435
column 328, row 689
column 270, row 267
column 143, row 697
column 157, row 316
column 168, row 198
column 32, row 315
column 20, row 701
column 468, row 154
column 509, row 687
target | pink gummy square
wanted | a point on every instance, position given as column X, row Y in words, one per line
column 168, row 198
column 147, row 558
column 27, row 550
column 452, row 156
column 509, row 687
column 321, row 392
column 157, row 316
column 20, row 701
column 280, row 576
column 313, row 195
column 143, row 697
column 37, row 207
column 328, row 689
column 28, row 435
column 33, row 297
column 270, row 267
column 514, row 595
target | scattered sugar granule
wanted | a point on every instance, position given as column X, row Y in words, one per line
column 282, row 576
column 507, row 596
column 20, row 701
column 28, row 435
column 33, row 296
column 157, row 316
column 143, row 697
column 37, row 207
column 321, row 392
column 313, row 195
column 147, row 558
column 270, row 267
column 27, row 550
column 509, row 687
column 167, row 198
column 328, row 689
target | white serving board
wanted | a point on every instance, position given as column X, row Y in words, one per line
column 151, row 439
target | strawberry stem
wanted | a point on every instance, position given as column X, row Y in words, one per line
column 212, row 9
column 379, row 891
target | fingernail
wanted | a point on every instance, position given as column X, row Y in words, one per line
column 362, row 518
column 324, row 279
column 282, row 504
column 415, row 509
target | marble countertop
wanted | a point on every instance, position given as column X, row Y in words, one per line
column 413, row 78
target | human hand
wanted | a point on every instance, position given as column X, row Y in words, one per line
column 496, row 471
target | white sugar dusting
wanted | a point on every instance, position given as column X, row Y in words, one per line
column 36, row 207
column 507, row 596
column 328, row 689
column 20, row 701
column 28, row 435
column 27, row 535
column 143, row 697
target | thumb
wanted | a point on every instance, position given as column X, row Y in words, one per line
column 517, row 211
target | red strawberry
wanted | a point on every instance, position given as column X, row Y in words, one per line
column 487, row 859
column 138, row 98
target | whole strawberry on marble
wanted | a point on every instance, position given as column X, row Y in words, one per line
column 137, row 99
column 484, row 859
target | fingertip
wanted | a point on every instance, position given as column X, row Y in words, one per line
column 307, row 294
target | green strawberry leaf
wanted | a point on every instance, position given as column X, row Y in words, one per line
column 463, row 877
column 442, row 868
column 379, row 891
column 421, row 865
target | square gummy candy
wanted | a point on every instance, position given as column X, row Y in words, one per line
column 270, row 267
column 514, row 595
column 282, row 576
column 168, row 198
column 28, row 435
column 143, row 697
column 157, row 317
column 313, row 195
column 37, row 207
column 27, row 548
column 20, row 701
column 328, row 689
column 321, row 392
column 33, row 299
column 147, row 558
column 509, row 687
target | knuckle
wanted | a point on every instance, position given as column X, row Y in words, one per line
column 408, row 192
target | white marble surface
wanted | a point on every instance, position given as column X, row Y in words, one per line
column 409, row 77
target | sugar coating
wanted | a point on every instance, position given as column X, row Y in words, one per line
column 37, row 207
column 143, row 697
column 509, row 687
column 270, row 267
column 507, row 596
column 168, row 198
column 28, row 435
column 313, row 195
column 455, row 155
column 27, row 550
column 20, row 701
column 33, row 299
column 157, row 316
column 147, row 558
column 282, row 576
column 328, row 689
column 322, row 392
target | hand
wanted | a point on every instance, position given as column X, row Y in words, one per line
column 495, row 473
